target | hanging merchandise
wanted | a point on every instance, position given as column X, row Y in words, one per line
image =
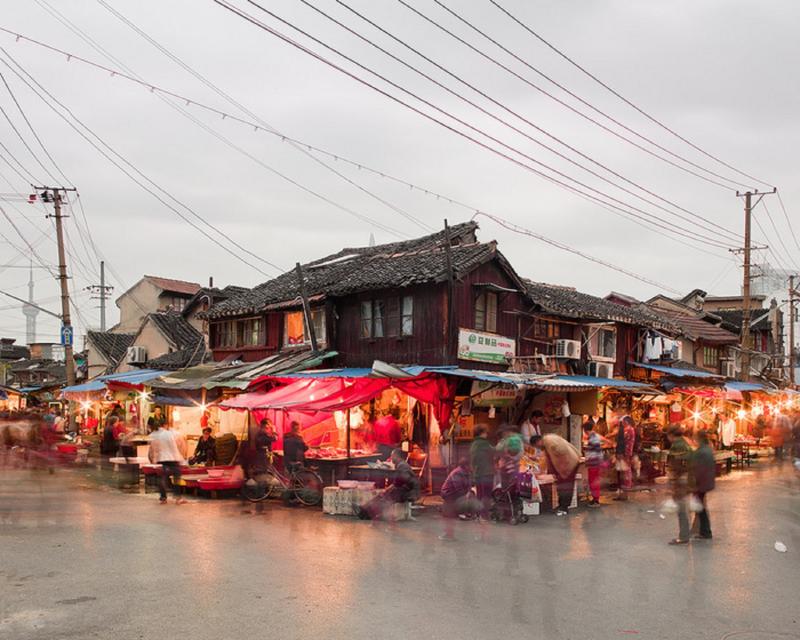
column 565, row 409
column 492, row 412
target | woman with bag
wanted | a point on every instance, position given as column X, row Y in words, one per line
column 704, row 471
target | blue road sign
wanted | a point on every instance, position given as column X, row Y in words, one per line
column 66, row 335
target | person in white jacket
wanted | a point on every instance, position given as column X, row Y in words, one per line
column 164, row 451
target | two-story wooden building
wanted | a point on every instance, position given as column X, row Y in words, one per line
column 442, row 299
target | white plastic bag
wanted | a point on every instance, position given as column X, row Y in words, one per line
column 669, row 506
column 695, row 504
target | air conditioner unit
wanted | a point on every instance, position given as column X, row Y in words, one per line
column 136, row 355
column 568, row 349
column 729, row 368
column 601, row 369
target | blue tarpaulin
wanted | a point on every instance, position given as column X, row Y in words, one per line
column 735, row 385
column 677, row 373
column 140, row 376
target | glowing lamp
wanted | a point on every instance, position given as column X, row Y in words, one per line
column 741, row 413
column 176, row 415
column 696, row 415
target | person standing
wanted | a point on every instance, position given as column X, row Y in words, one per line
column 156, row 419
column 481, row 459
column 164, row 451
column 704, row 471
column 594, row 461
column 386, row 432
column 294, row 448
column 109, row 443
column 532, row 426
column 678, row 462
column 626, row 443
column 727, row 431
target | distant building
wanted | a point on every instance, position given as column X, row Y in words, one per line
column 150, row 295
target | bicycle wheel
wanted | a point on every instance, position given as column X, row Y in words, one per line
column 274, row 483
column 254, row 491
column 307, row 487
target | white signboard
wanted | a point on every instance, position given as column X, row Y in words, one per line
column 485, row 347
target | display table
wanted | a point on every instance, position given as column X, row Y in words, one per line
column 333, row 469
column 379, row 475
column 346, row 502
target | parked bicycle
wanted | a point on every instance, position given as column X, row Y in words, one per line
column 301, row 484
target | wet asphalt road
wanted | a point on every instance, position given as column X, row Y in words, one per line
column 78, row 561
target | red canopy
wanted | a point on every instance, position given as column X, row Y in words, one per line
column 313, row 400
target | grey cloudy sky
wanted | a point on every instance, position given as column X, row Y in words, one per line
column 721, row 73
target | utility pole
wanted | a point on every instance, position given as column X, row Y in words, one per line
column 452, row 333
column 745, row 333
column 306, row 308
column 791, row 330
column 53, row 194
column 102, row 293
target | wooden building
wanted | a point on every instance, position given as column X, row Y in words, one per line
column 442, row 299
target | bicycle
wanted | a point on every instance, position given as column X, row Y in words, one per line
column 302, row 484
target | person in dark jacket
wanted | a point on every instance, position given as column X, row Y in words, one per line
column 704, row 471
column 678, row 463
column 481, row 459
column 206, row 450
column 455, row 494
column 109, row 444
column 294, row 448
column 404, row 487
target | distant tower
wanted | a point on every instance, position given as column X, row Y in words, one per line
column 30, row 313
column 371, row 239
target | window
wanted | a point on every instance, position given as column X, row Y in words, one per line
column 486, row 312
column 251, row 332
column 225, row 334
column 711, row 357
column 387, row 317
column 545, row 329
column 606, row 344
column 294, row 327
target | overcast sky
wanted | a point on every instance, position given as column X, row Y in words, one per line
column 720, row 73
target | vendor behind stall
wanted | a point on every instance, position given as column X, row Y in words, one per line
column 206, row 450
column 386, row 433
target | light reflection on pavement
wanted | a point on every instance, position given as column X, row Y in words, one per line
column 81, row 561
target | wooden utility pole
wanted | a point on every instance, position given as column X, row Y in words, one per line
column 791, row 330
column 452, row 335
column 54, row 195
column 745, row 333
column 306, row 308
column 102, row 293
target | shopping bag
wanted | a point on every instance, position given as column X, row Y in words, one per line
column 695, row 504
column 669, row 506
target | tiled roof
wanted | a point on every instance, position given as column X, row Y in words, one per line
column 175, row 286
column 732, row 319
column 180, row 359
column 176, row 329
column 112, row 346
column 570, row 303
column 13, row 351
column 695, row 328
column 398, row 264
column 214, row 294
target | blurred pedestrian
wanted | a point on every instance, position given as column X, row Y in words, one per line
column 455, row 494
column 481, row 458
column 593, row 452
column 386, row 433
column 108, row 443
column 704, row 471
column 563, row 460
column 678, row 463
column 625, row 445
column 164, row 451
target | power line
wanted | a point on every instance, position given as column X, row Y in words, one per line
column 253, row 115
column 133, row 168
column 621, row 97
column 482, row 93
column 337, row 157
column 518, row 229
column 710, row 241
column 788, row 220
column 551, row 96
